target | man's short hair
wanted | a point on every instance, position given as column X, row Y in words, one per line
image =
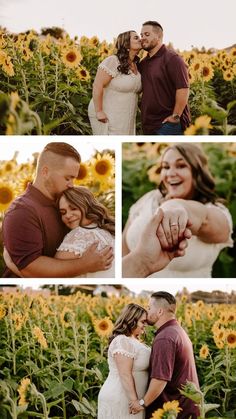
column 164, row 295
column 153, row 23
column 63, row 149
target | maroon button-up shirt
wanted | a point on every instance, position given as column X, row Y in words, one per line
column 172, row 360
column 32, row 227
column 162, row 74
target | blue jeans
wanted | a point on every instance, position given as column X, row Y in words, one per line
column 169, row 128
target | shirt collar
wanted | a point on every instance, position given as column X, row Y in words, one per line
column 159, row 53
column 41, row 198
column 171, row 322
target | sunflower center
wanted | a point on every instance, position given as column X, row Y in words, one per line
column 71, row 57
column 205, row 71
column 103, row 326
column 82, row 172
column 102, row 167
column 231, row 338
column 6, row 195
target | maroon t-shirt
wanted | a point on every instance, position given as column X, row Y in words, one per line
column 172, row 360
column 32, row 227
column 162, row 74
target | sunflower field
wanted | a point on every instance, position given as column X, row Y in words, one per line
column 140, row 174
column 53, row 352
column 98, row 174
column 46, row 84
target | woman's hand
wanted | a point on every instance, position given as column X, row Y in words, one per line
column 135, row 407
column 173, row 226
column 101, row 116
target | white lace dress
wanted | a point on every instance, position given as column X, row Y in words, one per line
column 120, row 99
column 113, row 402
column 199, row 256
column 80, row 238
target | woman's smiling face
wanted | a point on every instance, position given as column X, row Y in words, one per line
column 71, row 216
column 176, row 175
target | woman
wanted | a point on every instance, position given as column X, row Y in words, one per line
column 128, row 360
column 89, row 222
column 187, row 198
column 112, row 110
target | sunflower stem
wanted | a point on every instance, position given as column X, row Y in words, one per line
column 55, row 92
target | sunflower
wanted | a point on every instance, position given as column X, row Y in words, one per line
column 103, row 166
column 231, row 338
column 23, row 181
column 228, row 75
column 65, row 316
column 204, row 351
column 27, row 54
column 84, row 176
column 38, row 334
column 154, row 174
column 103, row 327
column 84, row 41
column 45, row 45
column 94, row 41
column 83, row 74
column 158, row 414
column 71, row 57
column 170, row 410
column 19, row 320
column 191, row 130
column 7, row 194
column 196, row 66
column 210, row 314
column 3, row 311
column 223, row 318
column 231, row 317
column 200, row 304
column 9, row 167
column 23, row 391
column 207, row 72
column 220, row 334
column 7, row 67
column 203, row 122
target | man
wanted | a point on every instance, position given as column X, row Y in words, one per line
column 32, row 227
column 171, row 362
column 148, row 256
column 165, row 84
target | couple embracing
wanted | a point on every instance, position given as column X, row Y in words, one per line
column 55, row 229
column 141, row 379
column 161, row 78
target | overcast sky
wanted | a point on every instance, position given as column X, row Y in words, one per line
column 209, row 23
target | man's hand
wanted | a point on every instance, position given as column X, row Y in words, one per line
column 148, row 256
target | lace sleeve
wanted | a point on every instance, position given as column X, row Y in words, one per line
column 123, row 345
column 77, row 241
column 109, row 65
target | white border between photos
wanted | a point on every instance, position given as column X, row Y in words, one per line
column 115, row 142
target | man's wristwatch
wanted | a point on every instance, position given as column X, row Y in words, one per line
column 141, row 402
column 176, row 117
